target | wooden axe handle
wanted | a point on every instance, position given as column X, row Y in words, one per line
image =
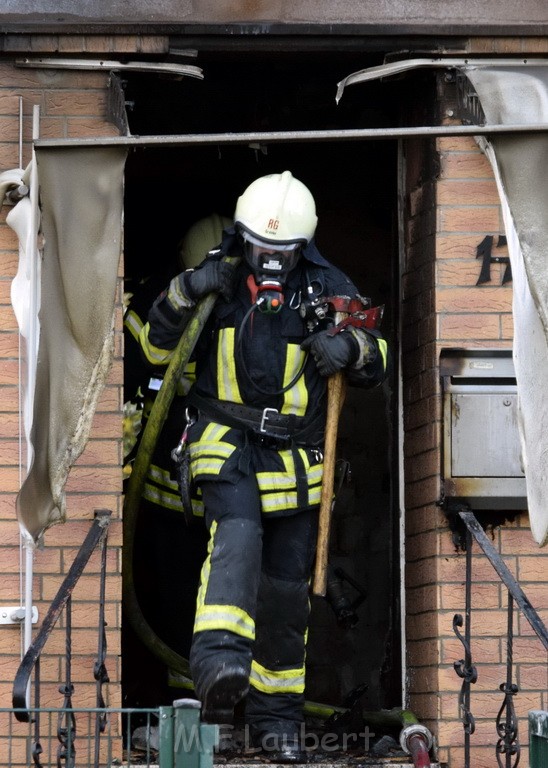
column 335, row 400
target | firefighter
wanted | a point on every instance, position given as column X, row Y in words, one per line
column 255, row 435
column 167, row 551
column 140, row 385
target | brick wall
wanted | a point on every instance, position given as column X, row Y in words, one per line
column 452, row 205
column 450, row 212
column 72, row 104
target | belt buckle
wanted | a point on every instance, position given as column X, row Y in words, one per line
column 264, row 418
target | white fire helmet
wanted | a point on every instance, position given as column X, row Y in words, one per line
column 277, row 209
column 200, row 238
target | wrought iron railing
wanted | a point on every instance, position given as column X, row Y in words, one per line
column 508, row 748
column 66, row 722
column 79, row 745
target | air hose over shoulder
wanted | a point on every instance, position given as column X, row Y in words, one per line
column 136, row 482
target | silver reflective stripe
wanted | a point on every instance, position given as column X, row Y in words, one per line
column 277, row 681
column 228, row 617
column 162, row 498
column 162, row 476
column 133, row 323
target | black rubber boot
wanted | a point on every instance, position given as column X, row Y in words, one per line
column 280, row 741
column 220, row 694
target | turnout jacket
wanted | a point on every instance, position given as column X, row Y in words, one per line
column 254, row 359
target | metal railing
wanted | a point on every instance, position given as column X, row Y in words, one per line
column 508, row 748
column 40, row 737
column 66, row 721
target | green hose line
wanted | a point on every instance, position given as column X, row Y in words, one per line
column 388, row 718
column 322, row 711
column 181, row 356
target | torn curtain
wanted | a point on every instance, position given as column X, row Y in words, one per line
column 81, row 193
column 519, row 95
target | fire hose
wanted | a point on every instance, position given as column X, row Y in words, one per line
column 181, row 356
column 415, row 739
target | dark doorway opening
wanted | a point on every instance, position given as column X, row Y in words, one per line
column 354, row 184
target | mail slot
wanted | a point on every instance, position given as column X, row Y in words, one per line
column 481, row 449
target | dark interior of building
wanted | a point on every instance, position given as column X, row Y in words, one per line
column 355, row 187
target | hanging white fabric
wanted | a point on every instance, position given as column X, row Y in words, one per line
column 81, row 194
column 23, row 218
column 520, row 163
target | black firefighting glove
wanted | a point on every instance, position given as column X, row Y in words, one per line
column 332, row 353
column 212, row 276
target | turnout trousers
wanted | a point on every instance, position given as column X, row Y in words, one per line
column 252, row 605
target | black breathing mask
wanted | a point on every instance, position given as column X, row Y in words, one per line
column 270, row 263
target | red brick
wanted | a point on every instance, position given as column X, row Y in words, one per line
column 7, row 319
column 481, row 299
column 483, row 649
column 9, row 345
column 465, row 165
column 507, row 326
column 467, row 192
column 533, row 568
column 456, row 144
column 470, row 326
column 100, row 453
column 457, row 246
column 466, row 273
column 484, row 219
column 88, row 479
column 74, row 102
column 82, row 127
column 484, row 595
column 533, row 676
column 515, row 541
column 9, row 479
column 53, row 128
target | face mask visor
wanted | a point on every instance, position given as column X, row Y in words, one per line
column 270, row 260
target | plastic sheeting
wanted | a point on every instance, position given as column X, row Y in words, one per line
column 520, row 161
column 25, row 289
column 81, row 193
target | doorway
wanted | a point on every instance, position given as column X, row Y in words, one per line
column 354, row 185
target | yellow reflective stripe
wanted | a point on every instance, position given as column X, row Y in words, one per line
column 154, row 355
column 214, row 431
column 296, row 398
column 315, row 474
column 270, row 481
column 208, row 455
column 190, row 370
column 197, row 508
column 314, row 495
column 227, row 383
column 162, row 476
column 383, row 349
column 274, row 481
column 206, row 567
column 276, row 680
column 162, row 498
column 207, row 466
column 228, row 617
column 279, row 489
column 275, row 502
column 223, row 450
column 133, row 323
column 287, row 458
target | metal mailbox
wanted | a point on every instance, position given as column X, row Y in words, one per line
column 481, row 450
